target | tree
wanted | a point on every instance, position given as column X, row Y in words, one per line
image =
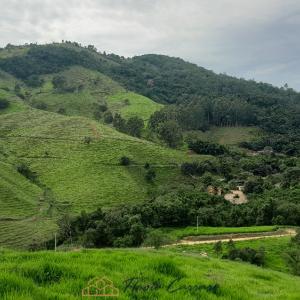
column 34, row 81
column 119, row 123
column 202, row 147
column 170, row 132
column 59, row 82
column 65, row 228
column 134, row 126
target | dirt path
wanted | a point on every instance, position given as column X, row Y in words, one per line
column 195, row 240
column 236, row 197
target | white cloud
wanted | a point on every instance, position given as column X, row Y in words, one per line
column 241, row 37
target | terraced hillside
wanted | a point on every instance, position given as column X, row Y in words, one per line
column 73, row 175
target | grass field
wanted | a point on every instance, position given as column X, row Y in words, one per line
column 139, row 274
column 274, row 250
column 227, row 135
column 130, row 104
column 179, row 233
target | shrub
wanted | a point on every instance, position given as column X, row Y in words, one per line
column 202, row 147
column 156, row 239
column 25, row 171
column 107, row 117
column 34, row 81
column 218, row 248
column 292, row 255
column 253, row 256
column 87, row 140
column 150, row 175
column 3, row 103
column 170, row 132
column 124, row 161
column 134, row 126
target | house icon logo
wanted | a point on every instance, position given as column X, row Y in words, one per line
column 100, row 287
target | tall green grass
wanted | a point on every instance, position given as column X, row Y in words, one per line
column 49, row 275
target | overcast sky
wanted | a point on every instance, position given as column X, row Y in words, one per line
column 257, row 39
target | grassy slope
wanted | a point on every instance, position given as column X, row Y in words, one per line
column 228, row 135
column 274, row 250
column 48, row 275
column 80, row 176
column 98, row 88
column 138, row 105
column 7, row 84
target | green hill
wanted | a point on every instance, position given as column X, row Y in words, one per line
column 54, row 126
column 88, row 90
column 72, row 175
column 139, row 274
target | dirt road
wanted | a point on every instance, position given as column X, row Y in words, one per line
column 211, row 239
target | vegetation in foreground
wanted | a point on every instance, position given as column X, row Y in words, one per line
column 139, row 274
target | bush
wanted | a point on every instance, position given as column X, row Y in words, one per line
column 150, row 175
column 198, row 169
column 34, row 81
column 25, row 171
column 253, row 256
column 87, row 140
column 108, row 117
column 218, row 248
column 292, row 255
column 134, row 126
column 171, row 133
column 254, row 185
column 156, row 239
column 124, row 161
column 201, row 147
column 3, row 103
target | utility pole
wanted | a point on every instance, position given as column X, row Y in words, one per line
column 197, row 223
column 55, row 242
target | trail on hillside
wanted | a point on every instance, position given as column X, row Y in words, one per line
column 195, row 240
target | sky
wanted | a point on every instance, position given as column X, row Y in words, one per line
column 252, row 39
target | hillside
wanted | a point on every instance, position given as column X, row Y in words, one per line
column 73, row 175
column 68, row 114
column 88, row 90
column 139, row 274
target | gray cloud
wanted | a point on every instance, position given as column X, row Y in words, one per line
column 252, row 39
